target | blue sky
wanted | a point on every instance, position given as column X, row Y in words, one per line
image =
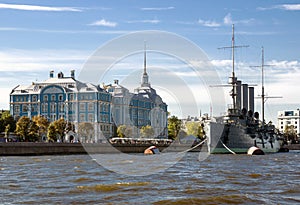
column 39, row 36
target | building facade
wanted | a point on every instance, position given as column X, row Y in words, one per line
column 289, row 118
column 104, row 107
column 65, row 97
column 141, row 108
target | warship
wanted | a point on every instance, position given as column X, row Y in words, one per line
column 240, row 128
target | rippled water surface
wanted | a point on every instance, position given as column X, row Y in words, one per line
column 220, row 179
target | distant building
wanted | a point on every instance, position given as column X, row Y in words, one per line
column 64, row 97
column 141, row 108
column 289, row 118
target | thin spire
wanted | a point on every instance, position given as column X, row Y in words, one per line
column 145, row 78
column 145, row 59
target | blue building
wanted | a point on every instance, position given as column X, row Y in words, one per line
column 65, row 97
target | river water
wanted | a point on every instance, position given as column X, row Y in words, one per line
column 218, row 179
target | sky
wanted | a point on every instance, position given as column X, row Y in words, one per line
column 39, row 36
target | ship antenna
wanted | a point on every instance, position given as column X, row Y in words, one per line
column 233, row 81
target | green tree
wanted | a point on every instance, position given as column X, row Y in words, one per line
column 22, row 129
column 290, row 134
column 60, row 128
column 52, row 134
column 2, row 127
column 124, row 131
column 6, row 119
column 85, row 131
column 147, row 131
column 195, row 129
column 174, row 126
column 7, row 128
column 33, row 130
column 192, row 128
column 27, row 130
column 42, row 124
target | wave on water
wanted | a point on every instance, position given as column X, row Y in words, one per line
column 211, row 200
column 112, row 187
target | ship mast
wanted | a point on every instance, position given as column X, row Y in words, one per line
column 233, row 79
column 263, row 96
column 262, row 86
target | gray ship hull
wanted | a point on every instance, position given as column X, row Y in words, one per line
column 230, row 138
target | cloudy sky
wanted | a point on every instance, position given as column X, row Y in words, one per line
column 39, row 36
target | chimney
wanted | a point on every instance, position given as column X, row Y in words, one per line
column 245, row 96
column 51, row 73
column 251, row 98
column 60, row 75
column 73, row 74
column 238, row 94
column 116, row 82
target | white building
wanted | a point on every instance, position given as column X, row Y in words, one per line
column 288, row 118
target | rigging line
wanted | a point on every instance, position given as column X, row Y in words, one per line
column 200, row 143
column 227, row 147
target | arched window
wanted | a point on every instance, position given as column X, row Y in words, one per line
column 52, row 98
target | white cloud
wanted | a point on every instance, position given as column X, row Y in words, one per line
column 104, row 22
column 37, row 8
column 290, row 7
column 153, row 21
column 287, row 7
column 208, row 23
column 157, row 8
column 228, row 20
column 40, row 60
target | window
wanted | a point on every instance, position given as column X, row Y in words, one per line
column 44, row 107
column 34, row 98
column 61, row 107
column 52, row 98
column 34, row 108
column 25, row 108
column 17, row 109
column 91, row 117
column 60, row 98
column 82, row 117
column 71, row 117
column 53, row 117
column 45, row 98
column 71, row 97
column 82, row 107
column 91, row 107
column 53, row 107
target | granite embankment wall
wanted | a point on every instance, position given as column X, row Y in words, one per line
column 292, row 146
column 40, row 148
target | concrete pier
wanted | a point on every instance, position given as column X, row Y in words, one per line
column 41, row 148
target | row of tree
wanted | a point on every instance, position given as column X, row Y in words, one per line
column 40, row 129
column 177, row 129
column 130, row 131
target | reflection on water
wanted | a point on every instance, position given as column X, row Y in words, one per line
column 78, row 179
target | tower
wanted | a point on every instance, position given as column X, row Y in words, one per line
column 145, row 77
